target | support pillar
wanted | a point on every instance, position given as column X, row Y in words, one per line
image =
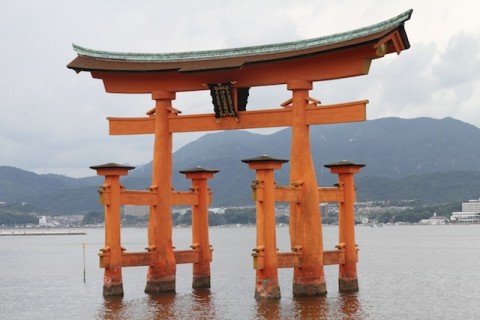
column 200, row 241
column 110, row 197
column 305, row 219
column 347, row 278
column 161, row 275
column 266, row 286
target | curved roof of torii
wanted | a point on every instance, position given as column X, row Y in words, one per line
column 390, row 33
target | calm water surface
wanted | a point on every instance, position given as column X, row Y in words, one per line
column 405, row 272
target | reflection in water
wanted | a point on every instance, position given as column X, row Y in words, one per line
column 112, row 308
column 310, row 308
column 197, row 305
column 341, row 307
column 350, row 307
column 268, row 309
column 200, row 304
column 297, row 308
column 160, row 306
column 203, row 307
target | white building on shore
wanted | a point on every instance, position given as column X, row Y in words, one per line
column 470, row 213
column 435, row 220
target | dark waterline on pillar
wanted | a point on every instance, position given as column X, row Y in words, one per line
column 160, row 286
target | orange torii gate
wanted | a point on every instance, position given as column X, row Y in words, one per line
column 229, row 74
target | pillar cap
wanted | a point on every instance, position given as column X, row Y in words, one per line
column 163, row 95
column 299, row 84
column 264, row 158
column 344, row 163
column 198, row 169
column 112, row 165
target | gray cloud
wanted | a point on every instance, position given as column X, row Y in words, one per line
column 53, row 120
column 459, row 65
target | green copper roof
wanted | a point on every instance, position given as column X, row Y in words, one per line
column 246, row 51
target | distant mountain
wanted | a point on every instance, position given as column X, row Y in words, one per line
column 425, row 159
column 396, row 148
column 48, row 192
column 391, row 148
column 17, row 184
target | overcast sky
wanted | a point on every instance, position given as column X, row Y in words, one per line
column 54, row 121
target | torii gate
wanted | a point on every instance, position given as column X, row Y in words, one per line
column 229, row 74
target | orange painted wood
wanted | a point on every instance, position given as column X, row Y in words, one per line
column 269, row 237
column 335, row 65
column 294, row 259
column 337, row 113
column 162, row 273
column 333, row 257
column 330, row 195
column 137, row 197
column 292, row 194
column 201, row 269
column 112, row 220
column 150, row 198
column 246, row 120
column 284, row 259
column 186, row 256
column 288, row 194
column 265, row 255
column 348, row 271
column 348, row 281
column 136, row 259
column 305, row 219
column 180, row 198
column 289, row 260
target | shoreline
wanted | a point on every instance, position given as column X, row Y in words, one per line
column 47, row 233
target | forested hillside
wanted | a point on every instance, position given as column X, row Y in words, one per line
column 434, row 161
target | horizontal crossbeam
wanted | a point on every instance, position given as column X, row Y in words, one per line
column 288, row 194
column 338, row 113
column 137, row 197
column 294, row 259
column 139, row 259
column 289, row 260
column 333, row 257
column 294, row 194
column 330, row 195
column 150, row 198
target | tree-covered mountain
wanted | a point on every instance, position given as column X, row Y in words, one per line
column 431, row 160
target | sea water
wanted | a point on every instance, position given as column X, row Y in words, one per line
column 405, row 272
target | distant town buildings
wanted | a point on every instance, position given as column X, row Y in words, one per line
column 42, row 221
column 47, row 222
column 136, row 211
column 470, row 213
column 435, row 220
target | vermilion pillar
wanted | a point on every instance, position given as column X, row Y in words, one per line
column 200, row 241
column 266, row 269
column 161, row 276
column 110, row 197
column 305, row 218
column 347, row 279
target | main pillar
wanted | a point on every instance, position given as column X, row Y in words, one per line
column 305, row 218
column 110, row 197
column 266, row 284
column 200, row 241
column 161, row 276
column 347, row 278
